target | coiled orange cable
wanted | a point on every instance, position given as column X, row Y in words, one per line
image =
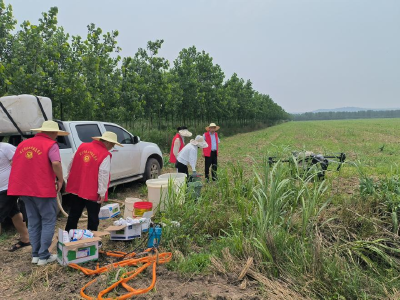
column 157, row 258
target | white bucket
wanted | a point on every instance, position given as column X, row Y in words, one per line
column 157, row 192
column 178, row 179
column 128, row 211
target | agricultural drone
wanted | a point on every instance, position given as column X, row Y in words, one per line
column 306, row 160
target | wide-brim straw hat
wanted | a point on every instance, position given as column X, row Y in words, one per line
column 199, row 141
column 185, row 133
column 108, row 136
column 50, row 126
column 212, row 125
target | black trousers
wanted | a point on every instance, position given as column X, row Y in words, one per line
column 75, row 212
column 211, row 161
column 182, row 168
column 8, row 206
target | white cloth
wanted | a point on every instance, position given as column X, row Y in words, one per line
column 188, row 155
column 6, row 154
column 103, row 176
column 177, row 145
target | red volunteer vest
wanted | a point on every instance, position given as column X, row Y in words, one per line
column 207, row 151
column 31, row 172
column 172, row 157
column 84, row 174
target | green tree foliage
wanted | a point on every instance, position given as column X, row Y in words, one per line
column 7, row 24
column 88, row 80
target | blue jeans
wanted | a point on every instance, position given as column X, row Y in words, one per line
column 42, row 217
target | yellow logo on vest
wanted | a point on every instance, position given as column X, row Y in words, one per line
column 31, row 150
column 29, row 154
column 87, row 155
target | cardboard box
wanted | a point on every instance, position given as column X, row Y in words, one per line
column 109, row 211
column 125, row 232
column 79, row 251
column 148, row 215
column 130, row 232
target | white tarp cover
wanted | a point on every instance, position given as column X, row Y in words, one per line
column 25, row 111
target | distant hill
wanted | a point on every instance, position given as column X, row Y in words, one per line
column 352, row 109
column 347, row 113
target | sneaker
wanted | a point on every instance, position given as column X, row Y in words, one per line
column 51, row 258
column 35, row 260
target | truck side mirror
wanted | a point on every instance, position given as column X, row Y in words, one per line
column 136, row 139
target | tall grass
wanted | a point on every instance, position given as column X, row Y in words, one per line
column 384, row 192
column 282, row 216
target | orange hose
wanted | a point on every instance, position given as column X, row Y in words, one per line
column 84, row 287
column 118, row 254
column 158, row 258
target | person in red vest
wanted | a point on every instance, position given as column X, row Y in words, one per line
column 36, row 176
column 89, row 178
column 178, row 143
column 211, row 152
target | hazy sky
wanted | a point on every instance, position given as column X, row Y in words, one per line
column 306, row 54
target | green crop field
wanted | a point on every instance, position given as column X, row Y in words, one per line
column 331, row 239
column 374, row 142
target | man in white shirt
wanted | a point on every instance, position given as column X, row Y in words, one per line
column 8, row 204
column 188, row 155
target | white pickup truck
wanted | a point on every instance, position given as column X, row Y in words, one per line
column 135, row 160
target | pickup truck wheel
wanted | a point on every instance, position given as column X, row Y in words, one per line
column 152, row 170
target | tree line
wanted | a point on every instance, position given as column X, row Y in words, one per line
column 340, row 115
column 87, row 79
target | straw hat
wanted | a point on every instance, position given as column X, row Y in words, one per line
column 212, row 125
column 199, row 142
column 50, row 126
column 109, row 137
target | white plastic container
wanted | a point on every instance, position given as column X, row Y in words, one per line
column 128, row 211
column 25, row 112
column 177, row 178
column 109, row 211
column 157, row 192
